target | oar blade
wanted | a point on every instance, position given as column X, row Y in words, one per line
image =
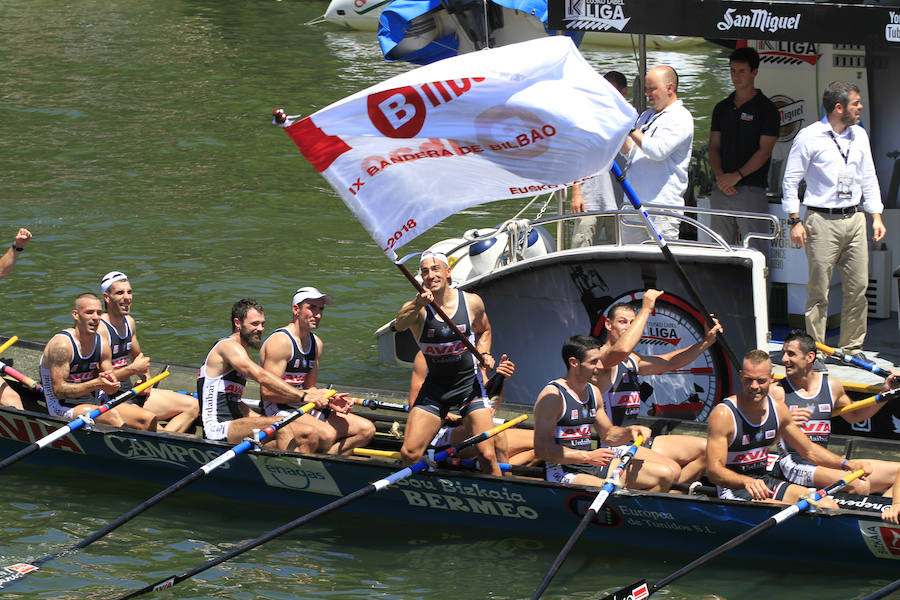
column 636, row 591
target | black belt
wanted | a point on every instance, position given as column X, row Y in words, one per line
column 844, row 210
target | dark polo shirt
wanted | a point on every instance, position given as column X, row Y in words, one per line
column 740, row 128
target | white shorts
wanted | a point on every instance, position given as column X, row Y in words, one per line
column 795, row 469
column 215, row 430
column 442, row 437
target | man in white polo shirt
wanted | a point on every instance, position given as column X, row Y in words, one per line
column 835, row 159
column 658, row 152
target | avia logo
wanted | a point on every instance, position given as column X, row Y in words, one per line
column 574, row 433
column 29, row 431
column 757, row 18
column 746, row 458
column 400, row 113
column 447, row 349
column 816, row 427
column 596, row 15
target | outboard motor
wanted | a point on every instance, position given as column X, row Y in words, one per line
column 485, row 254
column 470, row 15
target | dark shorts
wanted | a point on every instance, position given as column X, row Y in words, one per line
column 435, row 401
column 779, row 486
column 565, row 473
column 321, row 415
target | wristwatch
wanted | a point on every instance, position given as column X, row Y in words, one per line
column 794, row 220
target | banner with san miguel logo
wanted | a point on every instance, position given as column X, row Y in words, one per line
column 507, row 122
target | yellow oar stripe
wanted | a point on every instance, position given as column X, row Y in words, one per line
column 856, row 405
column 150, row 382
column 8, row 343
column 379, row 453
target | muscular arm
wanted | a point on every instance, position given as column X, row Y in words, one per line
column 719, row 429
column 138, row 364
column 238, row 358
column 274, row 356
column 56, row 359
column 412, row 315
column 842, row 400
column 671, row 361
column 809, row 450
column 624, row 346
column 9, row 258
column 481, row 327
column 547, row 409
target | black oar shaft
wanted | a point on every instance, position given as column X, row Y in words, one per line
column 80, row 421
column 883, row 592
column 778, row 517
column 673, row 261
column 588, row 517
column 340, row 502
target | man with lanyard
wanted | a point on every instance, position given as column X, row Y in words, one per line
column 686, row 454
column 293, row 353
column 8, row 396
column 742, row 427
column 119, row 333
column 77, row 374
column 811, row 397
column 835, row 160
column 567, row 409
column 658, row 152
column 743, row 132
column 453, row 376
column 220, row 386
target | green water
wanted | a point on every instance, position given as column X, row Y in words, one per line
column 135, row 136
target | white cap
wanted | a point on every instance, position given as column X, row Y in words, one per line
column 110, row 278
column 438, row 256
column 309, row 293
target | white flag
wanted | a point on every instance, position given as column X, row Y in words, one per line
column 501, row 123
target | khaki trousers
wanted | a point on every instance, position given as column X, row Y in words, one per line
column 837, row 240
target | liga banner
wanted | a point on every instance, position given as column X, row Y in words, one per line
column 508, row 122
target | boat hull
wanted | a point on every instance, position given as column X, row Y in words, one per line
column 682, row 524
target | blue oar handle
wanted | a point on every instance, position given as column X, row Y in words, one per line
column 636, row 202
column 856, row 362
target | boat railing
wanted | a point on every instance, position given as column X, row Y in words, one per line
column 513, row 229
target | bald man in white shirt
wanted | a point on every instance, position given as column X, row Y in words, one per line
column 835, row 160
column 658, row 152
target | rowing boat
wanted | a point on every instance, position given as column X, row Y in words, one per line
column 528, row 506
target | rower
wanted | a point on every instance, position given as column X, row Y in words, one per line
column 220, row 386
column 453, row 377
column 9, row 396
column 119, row 332
column 77, row 372
column 514, row 446
column 293, row 353
column 742, row 427
column 686, row 454
column 811, row 397
column 564, row 413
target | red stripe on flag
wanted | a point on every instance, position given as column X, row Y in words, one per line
column 319, row 149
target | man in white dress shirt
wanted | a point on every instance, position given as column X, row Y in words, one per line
column 835, row 159
column 658, row 152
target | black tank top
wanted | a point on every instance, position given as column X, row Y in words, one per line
column 450, row 363
column 220, row 397
column 818, row 428
column 622, row 400
column 119, row 345
column 573, row 427
column 749, row 449
column 298, row 366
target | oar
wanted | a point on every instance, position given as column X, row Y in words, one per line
column 775, row 519
column 852, row 360
column 16, row 572
column 592, row 510
column 883, row 592
column 80, row 421
column 376, row 404
column 174, row 580
column 463, row 462
column 8, row 343
column 883, row 397
column 685, row 281
column 25, row 380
